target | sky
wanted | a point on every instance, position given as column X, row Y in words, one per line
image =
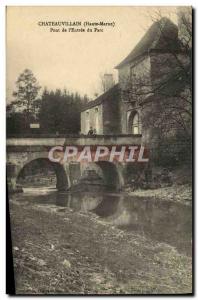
column 73, row 60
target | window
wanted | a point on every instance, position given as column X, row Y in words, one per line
column 87, row 122
column 133, row 74
column 134, row 125
column 134, row 84
column 96, row 121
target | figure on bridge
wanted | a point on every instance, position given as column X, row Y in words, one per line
column 91, row 131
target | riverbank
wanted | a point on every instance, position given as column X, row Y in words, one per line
column 175, row 193
column 57, row 250
column 176, row 188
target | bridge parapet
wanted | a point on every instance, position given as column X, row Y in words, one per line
column 79, row 140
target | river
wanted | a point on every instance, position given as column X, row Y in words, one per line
column 163, row 221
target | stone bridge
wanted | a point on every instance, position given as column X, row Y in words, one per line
column 22, row 151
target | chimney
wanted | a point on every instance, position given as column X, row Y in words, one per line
column 108, row 82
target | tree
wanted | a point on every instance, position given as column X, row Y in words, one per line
column 60, row 111
column 16, row 123
column 27, row 92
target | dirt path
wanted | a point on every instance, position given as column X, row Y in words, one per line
column 57, row 250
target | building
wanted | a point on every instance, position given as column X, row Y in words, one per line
column 103, row 113
column 124, row 108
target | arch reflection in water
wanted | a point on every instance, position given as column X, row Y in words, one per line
column 162, row 221
column 85, row 203
column 159, row 220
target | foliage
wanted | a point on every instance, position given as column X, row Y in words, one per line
column 60, row 112
column 17, row 123
column 27, row 91
column 173, row 151
column 56, row 111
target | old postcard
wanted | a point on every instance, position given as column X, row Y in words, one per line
column 99, row 150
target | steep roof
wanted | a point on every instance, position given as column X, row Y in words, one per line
column 112, row 93
column 162, row 35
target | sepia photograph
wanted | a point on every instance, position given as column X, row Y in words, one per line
column 99, row 150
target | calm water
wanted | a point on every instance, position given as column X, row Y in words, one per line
column 161, row 221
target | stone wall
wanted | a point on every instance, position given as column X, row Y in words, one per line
column 162, row 65
column 105, row 118
column 151, row 70
column 111, row 117
column 129, row 75
column 141, row 68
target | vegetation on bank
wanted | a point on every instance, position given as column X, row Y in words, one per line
column 175, row 186
column 176, row 193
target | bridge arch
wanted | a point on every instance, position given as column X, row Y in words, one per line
column 62, row 180
column 111, row 173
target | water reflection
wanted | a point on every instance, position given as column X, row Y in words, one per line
column 162, row 221
column 78, row 202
